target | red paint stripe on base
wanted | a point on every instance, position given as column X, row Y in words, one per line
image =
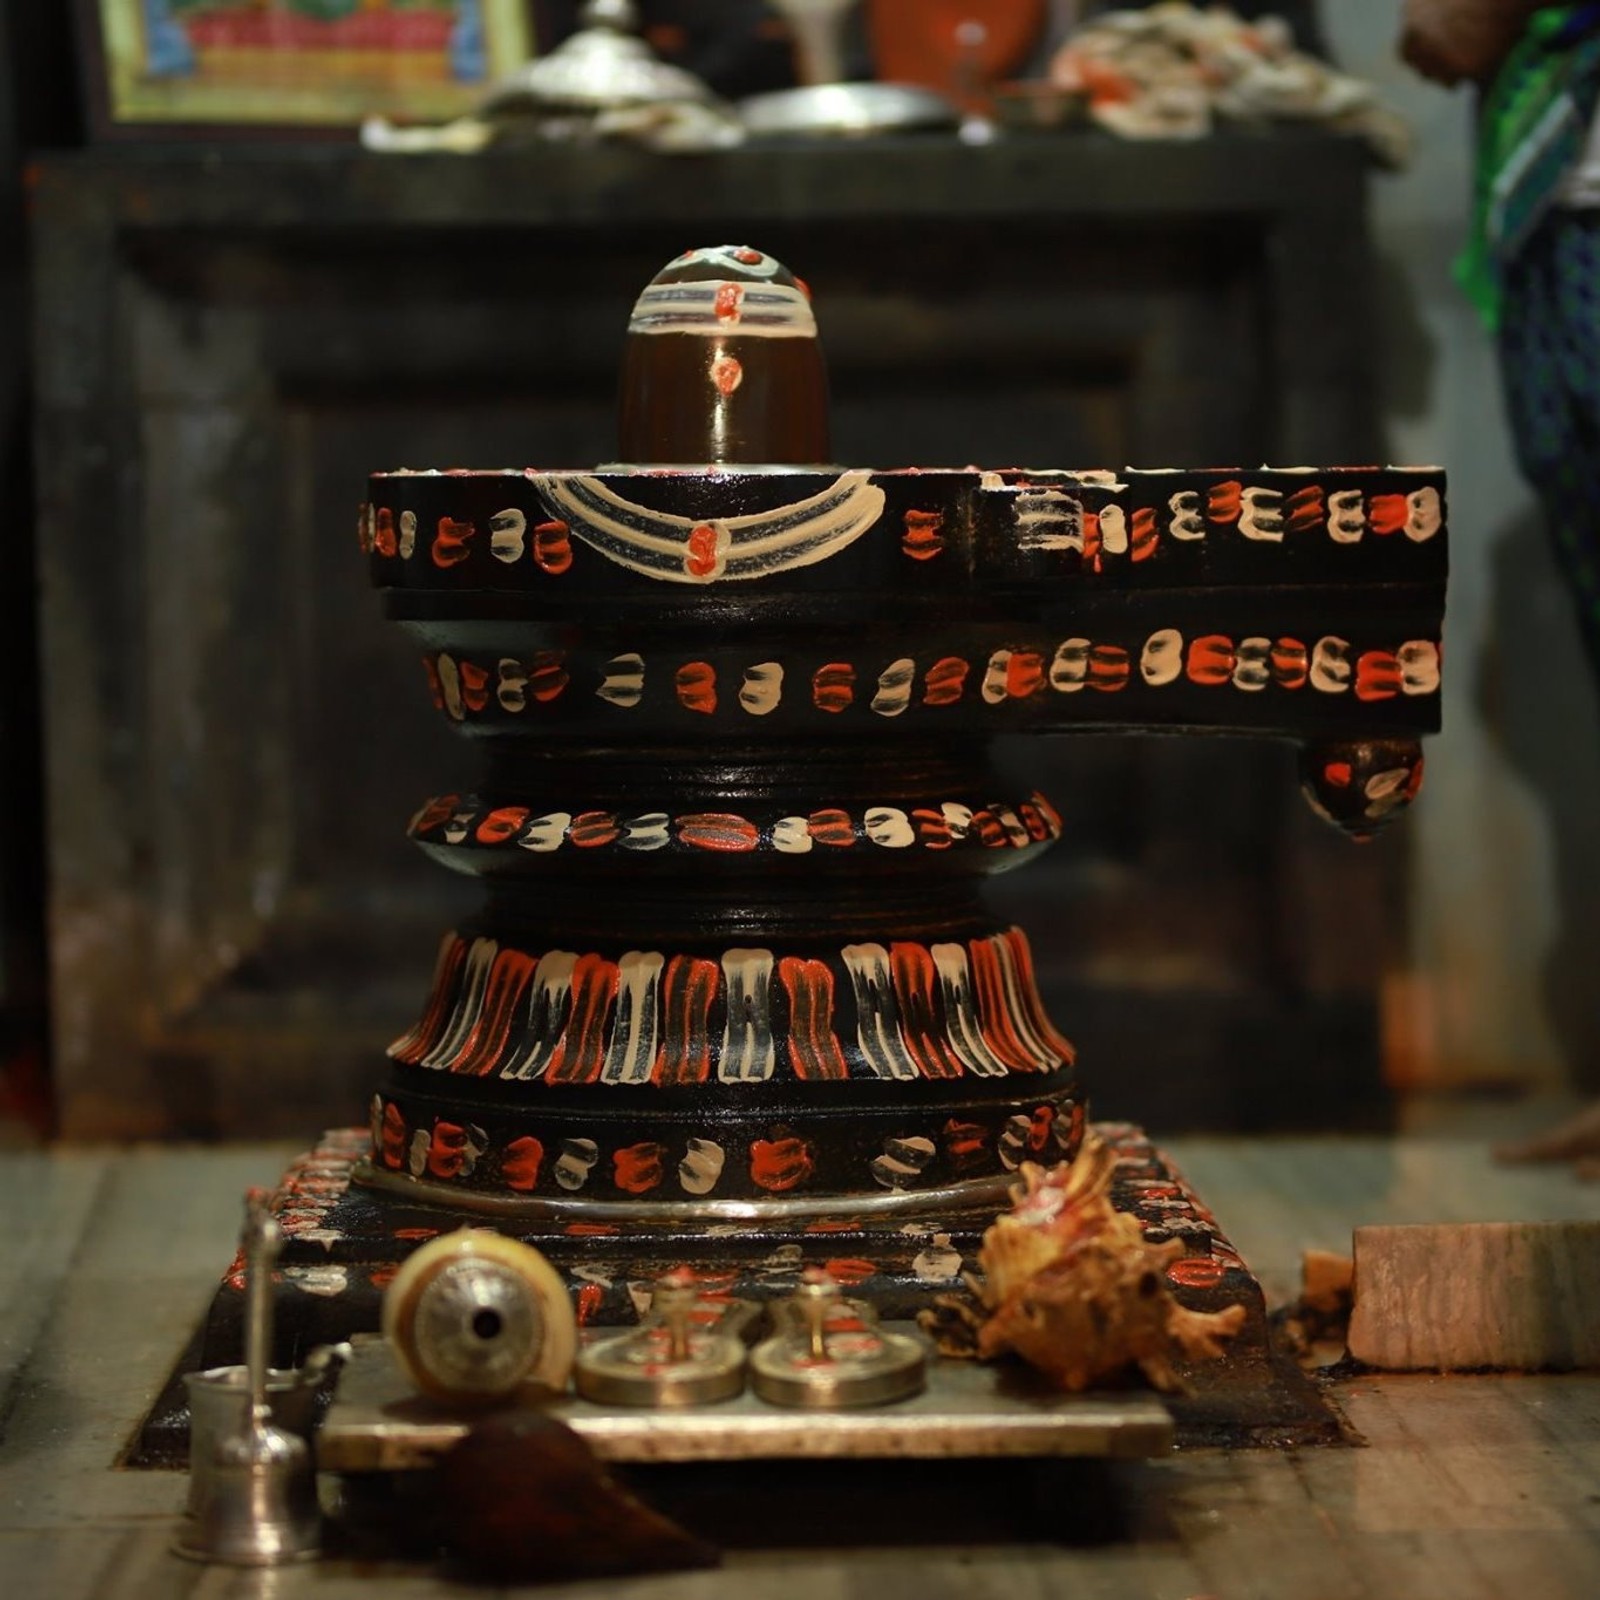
column 814, row 1051
column 582, row 1051
column 687, row 990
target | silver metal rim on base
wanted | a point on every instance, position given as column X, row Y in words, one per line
column 993, row 1191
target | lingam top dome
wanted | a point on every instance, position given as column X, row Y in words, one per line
column 722, row 364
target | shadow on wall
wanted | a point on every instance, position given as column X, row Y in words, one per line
column 1410, row 353
column 1538, row 698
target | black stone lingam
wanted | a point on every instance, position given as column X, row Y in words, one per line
column 735, row 708
column 733, row 1001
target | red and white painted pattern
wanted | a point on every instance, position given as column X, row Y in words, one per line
column 1060, row 512
column 998, row 825
column 912, row 1011
column 1165, row 658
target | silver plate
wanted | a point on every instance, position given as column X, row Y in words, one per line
column 378, row 1424
column 846, row 108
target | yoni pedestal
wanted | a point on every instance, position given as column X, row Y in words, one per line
column 736, row 806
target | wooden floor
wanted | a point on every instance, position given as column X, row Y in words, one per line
column 1470, row 1486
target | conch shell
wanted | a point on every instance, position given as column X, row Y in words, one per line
column 1071, row 1286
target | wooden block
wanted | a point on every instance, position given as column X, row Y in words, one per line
column 1456, row 1296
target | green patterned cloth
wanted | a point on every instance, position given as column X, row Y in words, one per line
column 1535, row 119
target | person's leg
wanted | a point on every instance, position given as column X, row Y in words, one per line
column 1550, row 363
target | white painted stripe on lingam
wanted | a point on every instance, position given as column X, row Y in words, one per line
column 450, row 687
column 701, row 1166
column 1048, row 519
column 1187, row 523
column 1113, row 530
column 1016, row 831
column 993, row 688
column 762, row 689
column 1069, row 666
column 752, row 263
column 1026, row 1012
column 1261, row 513
column 961, row 1012
column 748, row 1053
column 545, row 833
column 792, row 835
column 1419, row 667
column 1018, row 1010
column 1252, row 664
column 894, row 687
column 549, row 995
column 1330, row 665
column 1162, row 658
column 412, row 1037
column 877, row 1015
column 656, row 544
column 758, row 310
column 1347, row 516
column 511, row 685
column 1424, row 515
column 469, row 1003
column 632, row 1051
column 650, row 831
column 623, row 683
column 957, row 818
column 889, row 826
column 506, row 534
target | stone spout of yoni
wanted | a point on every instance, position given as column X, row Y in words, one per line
column 722, row 365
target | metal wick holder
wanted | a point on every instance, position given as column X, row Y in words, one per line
column 829, row 1353
column 253, row 1488
column 669, row 1361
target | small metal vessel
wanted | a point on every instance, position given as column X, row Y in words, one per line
column 829, row 1353
column 687, row 1352
column 257, row 1500
column 219, row 1399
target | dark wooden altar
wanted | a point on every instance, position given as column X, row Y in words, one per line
column 227, row 340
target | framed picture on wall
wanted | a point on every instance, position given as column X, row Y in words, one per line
column 254, row 65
